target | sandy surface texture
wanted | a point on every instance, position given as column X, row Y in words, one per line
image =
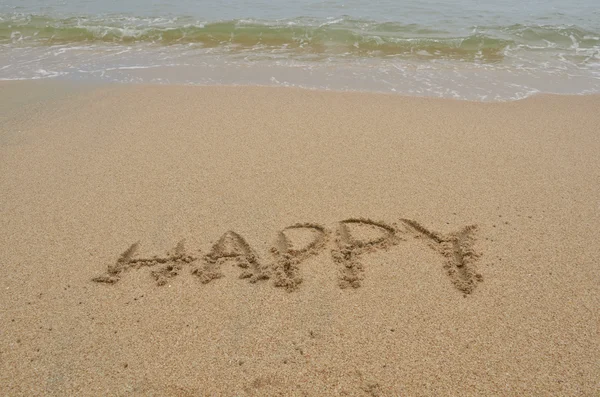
column 192, row 241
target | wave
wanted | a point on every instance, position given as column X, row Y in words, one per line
column 334, row 36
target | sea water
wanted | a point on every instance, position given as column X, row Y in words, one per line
column 466, row 49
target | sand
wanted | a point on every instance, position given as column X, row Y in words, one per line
column 237, row 241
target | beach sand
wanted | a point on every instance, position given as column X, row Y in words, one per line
column 440, row 248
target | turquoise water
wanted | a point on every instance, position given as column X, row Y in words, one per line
column 466, row 49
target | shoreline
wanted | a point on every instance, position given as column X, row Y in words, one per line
column 502, row 52
column 72, row 85
column 184, row 240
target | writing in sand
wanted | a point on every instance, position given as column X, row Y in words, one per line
column 353, row 238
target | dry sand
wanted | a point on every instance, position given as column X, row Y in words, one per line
column 85, row 172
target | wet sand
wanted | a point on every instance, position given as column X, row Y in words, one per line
column 191, row 241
